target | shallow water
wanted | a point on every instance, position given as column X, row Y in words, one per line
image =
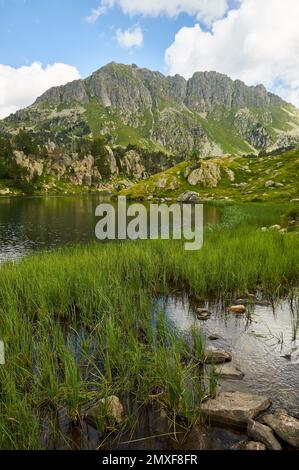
column 257, row 342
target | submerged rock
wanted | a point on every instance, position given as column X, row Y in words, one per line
column 249, row 445
column 214, row 337
column 110, row 407
column 203, row 314
column 285, row 426
column 263, row 434
column 217, row 356
column 228, row 371
column 238, row 309
column 235, row 408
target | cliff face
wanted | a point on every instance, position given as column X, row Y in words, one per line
column 207, row 115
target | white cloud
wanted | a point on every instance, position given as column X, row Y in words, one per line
column 257, row 43
column 96, row 13
column 130, row 37
column 204, row 10
column 19, row 87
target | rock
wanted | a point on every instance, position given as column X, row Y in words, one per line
column 217, row 356
column 285, row 426
column 235, row 408
column 249, row 445
column 264, row 229
column 228, row 371
column 264, row 434
column 270, row 184
column 4, row 192
column 189, row 197
column 275, row 227
column 238, row 309
column 163, row 424
column 208, row 175
column 111, row 407
column 283, row 231
column 214, row 337
column 203, row 313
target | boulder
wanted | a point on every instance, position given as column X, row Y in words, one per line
column 189, row 197
column 264, row 434
column 217, row 356
column 238, row 309
column 228, row 371
column 285, row 426
column 235, row 408
column 4, row 192
column 110, row 407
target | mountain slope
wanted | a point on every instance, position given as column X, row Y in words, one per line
column 259, row 179
column 210, row 114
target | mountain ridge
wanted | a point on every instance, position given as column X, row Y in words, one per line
column 209, row 114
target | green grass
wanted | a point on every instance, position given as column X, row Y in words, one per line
column 78, row 324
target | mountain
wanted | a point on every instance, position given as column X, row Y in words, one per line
column 209, row 114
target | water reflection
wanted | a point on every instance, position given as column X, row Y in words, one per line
column 33, row 223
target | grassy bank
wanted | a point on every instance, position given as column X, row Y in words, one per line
column 79, row 323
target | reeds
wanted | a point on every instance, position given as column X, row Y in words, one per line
column 78, row 323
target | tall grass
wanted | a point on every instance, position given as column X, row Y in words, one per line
column 78, row 323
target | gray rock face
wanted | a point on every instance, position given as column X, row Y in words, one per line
column 264, row 434
column 235, row 408
column 285, row 426
column 168, row 111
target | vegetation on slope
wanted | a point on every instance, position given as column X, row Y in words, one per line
column 252, row 179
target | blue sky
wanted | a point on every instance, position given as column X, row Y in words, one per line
column 57, row 31
column 45, row 43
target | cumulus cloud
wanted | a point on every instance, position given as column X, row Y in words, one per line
column 19, row 87
column 258, row 43
column 204, row 10
column 130, row 37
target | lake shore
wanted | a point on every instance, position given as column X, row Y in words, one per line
column 78, row 327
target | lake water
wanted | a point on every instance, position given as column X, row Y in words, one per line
column 35, row 223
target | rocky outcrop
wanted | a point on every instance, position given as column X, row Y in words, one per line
column 208, row 175
column 285, row 426
column 29, row 167
column 235, row 408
